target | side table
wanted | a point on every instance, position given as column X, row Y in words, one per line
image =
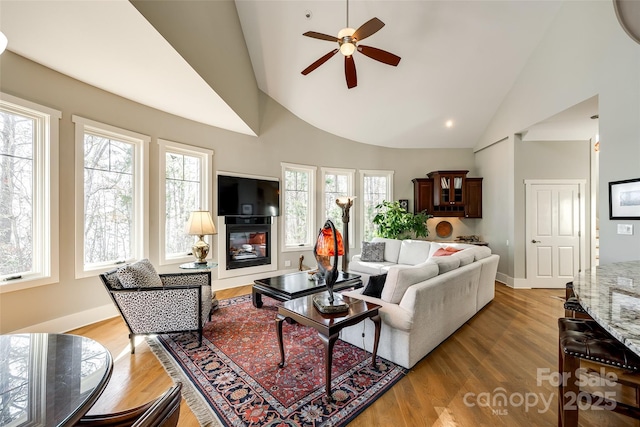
column 303, row 311
column 203, row 266
column 198, row 266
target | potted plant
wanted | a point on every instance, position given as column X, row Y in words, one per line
column 393, row 221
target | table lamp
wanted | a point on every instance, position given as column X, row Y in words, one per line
column 329, row 244
column 200, row 224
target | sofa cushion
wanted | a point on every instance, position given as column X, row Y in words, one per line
column 372, row 268
column 375, row 285
column 372, row 251
column 140, row 274
column 391, row 248
column 445, row 263
column 413, row 252
column 400, row 277
column 466, row 256
column 481, row 252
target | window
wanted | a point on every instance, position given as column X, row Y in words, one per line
column 112, row 196
column 377, row 186
column 28, row 194
column 185, row 178
column 299, row 231
column 338, row 183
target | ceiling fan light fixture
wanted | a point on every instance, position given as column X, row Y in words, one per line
column 346, row 32
column 347, row 49
column 347, row 44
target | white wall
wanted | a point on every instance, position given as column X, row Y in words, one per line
column 495, row 165
column 584, row 53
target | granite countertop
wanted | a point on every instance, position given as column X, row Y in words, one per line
column 611, row 295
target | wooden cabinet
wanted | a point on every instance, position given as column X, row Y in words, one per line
column 473, row 198
column 422, row 195
column 448, row 187
column 448, row 194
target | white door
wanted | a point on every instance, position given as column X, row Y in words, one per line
column 554, row 221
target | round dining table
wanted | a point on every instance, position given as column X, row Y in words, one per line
column 611, row 295
column 50, row 379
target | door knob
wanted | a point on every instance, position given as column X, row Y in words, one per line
column 536, row 241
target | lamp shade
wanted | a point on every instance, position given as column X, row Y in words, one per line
column 200, row 224
column 326, row 243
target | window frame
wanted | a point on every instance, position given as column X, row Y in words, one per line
column 206, row 181
column 140, row 143
column 372, row 173
column 311, row 210
column 350, row 173
column 46, row 242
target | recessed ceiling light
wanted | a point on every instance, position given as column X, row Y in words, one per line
column 449, row 123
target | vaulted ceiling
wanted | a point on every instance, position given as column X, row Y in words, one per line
column 459, row 61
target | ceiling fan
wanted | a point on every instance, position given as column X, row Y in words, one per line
column 347, row 44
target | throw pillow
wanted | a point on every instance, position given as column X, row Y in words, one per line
column 140, row 274
column 446, row 251
column 372, row 252
column 375, row 285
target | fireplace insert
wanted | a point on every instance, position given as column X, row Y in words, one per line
column 248, row 241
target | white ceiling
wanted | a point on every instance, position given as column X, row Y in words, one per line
column 459, row 60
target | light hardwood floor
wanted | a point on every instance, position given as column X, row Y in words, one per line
column 501, row 350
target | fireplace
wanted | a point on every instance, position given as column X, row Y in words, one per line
column 248, row 241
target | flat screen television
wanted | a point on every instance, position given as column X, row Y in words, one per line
column 240, row 196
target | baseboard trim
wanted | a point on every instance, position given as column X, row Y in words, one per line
column 512, row 282
column 72, row 321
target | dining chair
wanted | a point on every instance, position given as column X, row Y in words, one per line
column 161, row 412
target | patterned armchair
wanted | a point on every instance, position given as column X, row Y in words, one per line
column 181, row 303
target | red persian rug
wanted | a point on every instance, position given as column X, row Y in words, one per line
column 235, row 372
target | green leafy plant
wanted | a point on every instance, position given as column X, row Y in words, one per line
column 393, row 221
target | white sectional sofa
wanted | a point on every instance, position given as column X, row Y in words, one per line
column 425, row 297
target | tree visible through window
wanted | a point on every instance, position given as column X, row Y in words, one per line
column 182, row 194
column 111, row 196
column 28, row 193
column 16, row 193
column 108, row 199
column 299, row 193
column 376, row 187
column 338, row 183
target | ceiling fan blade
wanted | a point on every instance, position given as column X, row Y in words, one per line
column 320, row 36
column 370, row 27
column 350, row 72
column 379, row 55
column 319, row 62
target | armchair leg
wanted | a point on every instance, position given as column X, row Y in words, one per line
column 132, row 341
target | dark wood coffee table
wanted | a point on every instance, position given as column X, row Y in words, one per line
column 296, row 285
column 303, row 311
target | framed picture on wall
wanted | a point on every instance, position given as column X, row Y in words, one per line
column 404, row 203
column 624, row 199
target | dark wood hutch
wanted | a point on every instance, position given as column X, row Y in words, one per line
column 448, row 193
